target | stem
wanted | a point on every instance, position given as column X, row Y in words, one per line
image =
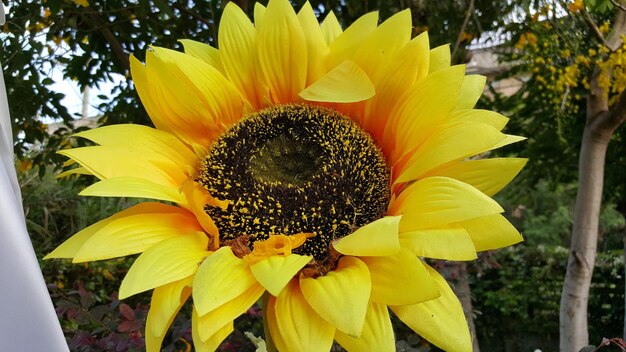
column 269, row 343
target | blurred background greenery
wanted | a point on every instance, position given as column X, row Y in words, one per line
column 543, row 49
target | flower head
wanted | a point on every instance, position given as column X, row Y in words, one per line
column 315, row 164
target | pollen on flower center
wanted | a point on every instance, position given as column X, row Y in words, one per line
column 295, row 169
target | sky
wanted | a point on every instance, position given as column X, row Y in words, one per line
column 73, row 96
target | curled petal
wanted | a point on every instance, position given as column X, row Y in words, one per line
column 341, row 297
column 400, row 279
column 220, row 278
column 441, row 320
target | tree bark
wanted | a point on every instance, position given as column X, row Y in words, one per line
column 573, row 314
column 599, row 128
column 621, row 208
column 624, row 331
column 464, row 292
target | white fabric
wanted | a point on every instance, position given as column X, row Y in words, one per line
column 28, row 321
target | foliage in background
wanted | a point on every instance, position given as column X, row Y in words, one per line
column 543, row 213
column 517, row 293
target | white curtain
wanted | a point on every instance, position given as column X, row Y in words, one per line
column 28, row 321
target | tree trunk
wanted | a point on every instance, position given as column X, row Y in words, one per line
column 573, row 314
column 621, row 208
column 600, row 126
column 85, row 106
column 464, row 292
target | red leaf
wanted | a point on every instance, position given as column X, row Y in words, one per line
column 125, row 326
column 127, row 312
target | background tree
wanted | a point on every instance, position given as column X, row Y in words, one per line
column 573, row 57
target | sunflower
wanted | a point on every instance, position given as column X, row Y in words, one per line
column 311, row 166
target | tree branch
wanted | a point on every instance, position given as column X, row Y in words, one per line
column 618, row 5
column 468, row 15
column 192, row 13
column 597, row 101
column 116, row 47
column 593, row 27
column 616, row 116
column 614, row 40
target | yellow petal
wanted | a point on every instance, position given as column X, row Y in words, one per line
column 269, row 319
column 456, row 141
column 383, row 43
column 331, row 28
column 210, row 323
column 409, row 66
column 472, row 89
column 197, row 102
column 445, row 243
column 165, row 262
column 144, row 139
column 428, row 105
column 165, row 304
column 140, row 80
column 316, row 45
column 134, row 187
column 342, row 48
column 436, row 201
column 136, row 233
column 491, row 232
column 346, row 83
column 214, row 341
column 378, row 238
column 75, row 171
column 301, row 329
column 276, row 271
column 487, row 175
column 377, row 332
column 204, row 52
column 259, row 12
column 341, row 297
column 221, row 278
column 492, row 118
column 440, row 58
column 400, row 279
column 196, row 198
column 440, row 321
column 282, row 51
column 108, row 162
column 71, row 246
column 509, row 139
column 238, row 47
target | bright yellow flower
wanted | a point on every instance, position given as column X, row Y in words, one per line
column 576, row 6
column 83, row 3
column 315, row 164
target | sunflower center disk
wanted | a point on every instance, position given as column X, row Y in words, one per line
column 295, row 168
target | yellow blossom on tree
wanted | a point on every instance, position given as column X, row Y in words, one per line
column 576, row 6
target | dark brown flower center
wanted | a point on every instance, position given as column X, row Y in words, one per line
column 295, row 168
